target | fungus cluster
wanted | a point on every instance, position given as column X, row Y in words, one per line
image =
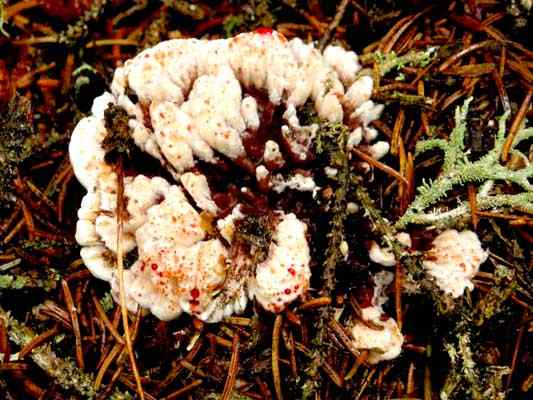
column 226, row 119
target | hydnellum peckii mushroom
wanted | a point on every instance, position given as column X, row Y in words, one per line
column 201, row 107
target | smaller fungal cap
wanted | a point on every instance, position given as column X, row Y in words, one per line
column 454, row 260
column 381, row 336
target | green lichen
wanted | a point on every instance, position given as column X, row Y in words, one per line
column 391, row 61
column 457, row 170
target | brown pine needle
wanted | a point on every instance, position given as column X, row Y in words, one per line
column 516, row 350
column 398, row 275
column 75, row 323
column 275, row 356
column 101, row 313
column 184, row 390
column 316, row 303
column 37, row 341
column 105, row 365
column 520, row 115
column 341, row 9
column 473, row 205
column 379, row 165
column 233, row 369
column 120, row 270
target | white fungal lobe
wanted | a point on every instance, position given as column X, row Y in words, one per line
column 193, row 103
column 380, row 336
column 454, row 260
column 285, row 274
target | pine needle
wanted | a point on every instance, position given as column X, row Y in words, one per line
column 120, row 270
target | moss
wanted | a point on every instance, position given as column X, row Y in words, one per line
column 118, row 142
column 492, row 303
column 255, row 14
column 107, row 302
column 254, row 231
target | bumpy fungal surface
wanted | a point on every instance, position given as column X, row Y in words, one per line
column 225, row 118
column 454, row 260
column 374, row 331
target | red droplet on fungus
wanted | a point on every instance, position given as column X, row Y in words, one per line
column 264, row 31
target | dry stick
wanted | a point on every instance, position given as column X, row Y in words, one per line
column 75, row 324
column 275, row 356
column 120, row 269
column 516, row 124
column 233, row 369
column 341, row 9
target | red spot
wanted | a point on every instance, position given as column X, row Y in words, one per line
column 276, row 309
column 296, row 287
column 292, row 271
column 287, row 291
column 195, row 293
column 154, row 267
column 264, row 31
column 143, row 265
column 194, row 302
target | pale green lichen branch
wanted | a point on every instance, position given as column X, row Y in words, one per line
column 458, row 170
column 389, row 61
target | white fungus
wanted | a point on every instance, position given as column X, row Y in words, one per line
column 192, row 105
column 385, row 256
column 454, row 260
column 380, row 336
